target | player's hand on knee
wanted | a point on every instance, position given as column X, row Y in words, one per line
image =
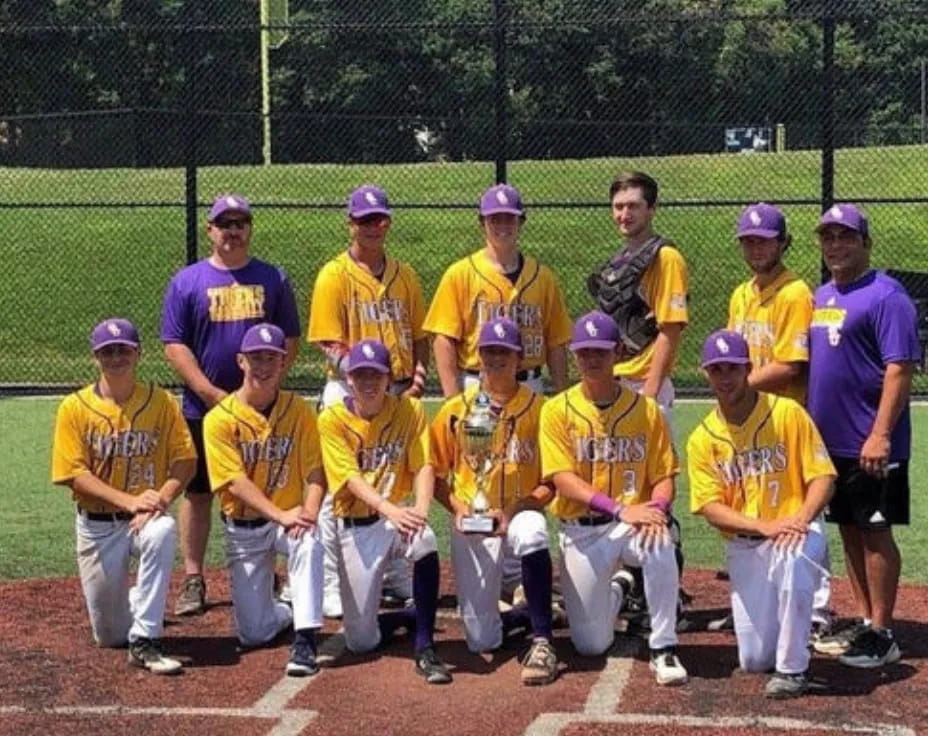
column 298, row 530
column 653, row 536
column 293, row 518
column 406, row 520
column 141, row 519
column 639, row 514
column 148, row 500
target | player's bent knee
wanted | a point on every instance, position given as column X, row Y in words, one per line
column 160, row 532
column 360, row 638
column 591, row 639
column 528, row 533
column 424, row 544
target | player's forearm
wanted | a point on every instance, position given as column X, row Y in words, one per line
column 423, row 485
column 315, row 490
column 443, row 494
column 293, row 349
column 446, row 363
column 897, row 385
column 420, row 352
column 665, row 351
column 818, row 494
column 728, row 520
column 250, row 495
column 572, row 487
column 540, row 497
column 775, row 376
column 185, row 365
column 90, row 485
column 180, row 474
column 335, row 353
column 664, row 491
column 364, row 492
column 557, row 368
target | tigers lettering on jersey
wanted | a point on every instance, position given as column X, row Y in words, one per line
column 753, row 463
column 235, row 302
column 106, row 445
column 374, row 458
column 524, row 315
column 270, row 450
column 611, row 449
column 380, row 311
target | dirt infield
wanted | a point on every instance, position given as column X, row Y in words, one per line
column 55, row 681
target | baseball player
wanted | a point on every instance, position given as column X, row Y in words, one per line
column 516, row 503
column 759, row 472
column 608, row 451
column 864, row 349
column 361, row 294
column 207, row 309
column 499, row 281
column 262, row 452
column 123, row 449
column 375, row 449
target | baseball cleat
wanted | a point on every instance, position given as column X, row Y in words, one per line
column 192, row 598
column 540, row 664
column 147, row 654
column 431, row 667
column 666, row 667
column 840, row 638
column 302, row 661
column 782, row 686
column 872, row 649
column 725, row 623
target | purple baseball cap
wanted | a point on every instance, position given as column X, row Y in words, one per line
column 846, row 215
column 762, row 220
column 369, row 354
column 725, row 346
column 595, row 330
column 264, row 336
column 228, row 203
column 114, row 331
column 501, row 198
column 368, row 200
column 502, row 333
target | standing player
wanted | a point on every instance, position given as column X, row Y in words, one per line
column 608, row 452
column 375, row 449
column 262, row 451
column 364, row 294
column 124, row 451
column 864, row 348
column 760, row 473
column 499, row 281
column 517, row 499
column 644, row 288
column 207, row 309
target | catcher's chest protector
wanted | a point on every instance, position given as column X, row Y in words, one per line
column 615, row 287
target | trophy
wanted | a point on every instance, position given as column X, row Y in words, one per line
column 477, row 444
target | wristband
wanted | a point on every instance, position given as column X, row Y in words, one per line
column 603, row 504
column 660, row 503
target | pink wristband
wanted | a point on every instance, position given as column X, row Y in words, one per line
column 660, row 503
column 602, row 504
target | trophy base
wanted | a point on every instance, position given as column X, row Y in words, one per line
column 477, row 524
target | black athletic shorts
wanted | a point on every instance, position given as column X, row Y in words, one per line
column 200, row 481
column 868, row 502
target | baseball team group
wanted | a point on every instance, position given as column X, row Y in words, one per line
column 810, row 425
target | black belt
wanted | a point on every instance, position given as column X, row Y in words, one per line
column 598, row 520
column 352, row 521
column 244, row 523
column 751, row 537
column 104, row 515
column 520, row 376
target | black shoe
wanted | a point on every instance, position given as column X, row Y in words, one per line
column 431, row 667
column 840, row 637
column 782, row 686
column 302, row 658
column 872, row 649
column 192, row 598
column 147, row 654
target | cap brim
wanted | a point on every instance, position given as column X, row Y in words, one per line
column 115, row 341
column 596, row 344
column 822, row 225
column 379, row 367
column 758, row 232
column 227, row 210
column 725, row 359
column 262, row 348
column 502, row 211
column 499, row 344
column 358, row 214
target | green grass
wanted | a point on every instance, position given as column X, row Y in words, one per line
column 37, row 518
column 68, row 267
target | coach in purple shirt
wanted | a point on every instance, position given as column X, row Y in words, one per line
column 208, row 307
column 863, row 352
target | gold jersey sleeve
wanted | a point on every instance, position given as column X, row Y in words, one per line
column 348, row 305
column 775, row 323
column 276, row 452
column 761, row 468
column 665, row 287
column 473, row 291
column 386, row 451
column 518, row 469
column 130, row 447
column 623, row 450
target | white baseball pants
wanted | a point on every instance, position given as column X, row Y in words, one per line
column 117, row 613
column 589, row 557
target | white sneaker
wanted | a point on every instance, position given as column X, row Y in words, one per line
column 666, row 667
column 332, row 606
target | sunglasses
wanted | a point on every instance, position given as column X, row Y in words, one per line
column 230, row 224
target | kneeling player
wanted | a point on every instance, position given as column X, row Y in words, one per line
column 262, row 453
column 375, row 447
column 123, row 449
column 516, row 500
column 760, row 473
column 608, row 451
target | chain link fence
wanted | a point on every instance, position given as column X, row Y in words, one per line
column 119, row 122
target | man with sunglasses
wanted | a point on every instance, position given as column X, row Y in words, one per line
column 122, row 449
column 363, row 294
column 208, row 307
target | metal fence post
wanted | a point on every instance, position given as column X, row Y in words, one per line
column 500, row 24
column 828, row 114
column 191, row 149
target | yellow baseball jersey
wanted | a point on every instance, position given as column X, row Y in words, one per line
column 387, row 451
column 665, row 288
column 622, row 450
column 472, row 292
column 348, row 305
column 275, row 452
column 760, row 468
column 516, row 474
column 130, row 447
column 775, row 322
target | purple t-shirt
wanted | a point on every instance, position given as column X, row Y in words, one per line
column 856, row 330
column 209, row 309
